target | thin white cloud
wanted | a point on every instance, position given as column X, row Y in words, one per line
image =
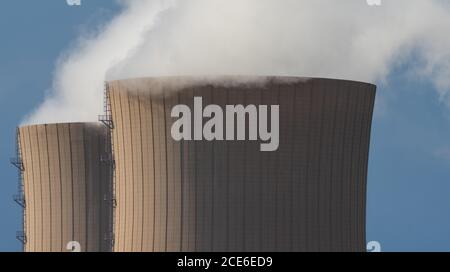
column 443, row 153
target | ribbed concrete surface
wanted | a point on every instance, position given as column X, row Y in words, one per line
column 67, row 188
column 310, row 195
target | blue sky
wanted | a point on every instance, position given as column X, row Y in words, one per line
column 409, row 172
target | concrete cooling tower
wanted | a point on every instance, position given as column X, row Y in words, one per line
column 67, row 187
column 189, row 191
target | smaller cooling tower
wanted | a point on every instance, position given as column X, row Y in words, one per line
column 67, row 186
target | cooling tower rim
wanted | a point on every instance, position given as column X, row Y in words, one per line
column 235, row 80
column 97, row 124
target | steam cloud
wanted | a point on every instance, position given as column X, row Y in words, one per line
column 320, row 38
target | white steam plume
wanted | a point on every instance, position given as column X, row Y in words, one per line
column 319, row 38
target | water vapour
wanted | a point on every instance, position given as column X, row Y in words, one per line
column 320, row 38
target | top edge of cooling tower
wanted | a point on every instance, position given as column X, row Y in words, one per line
column 95, row 124
column 233, row 80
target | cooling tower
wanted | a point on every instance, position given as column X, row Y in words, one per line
column 67, row 187
column 200, row 195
